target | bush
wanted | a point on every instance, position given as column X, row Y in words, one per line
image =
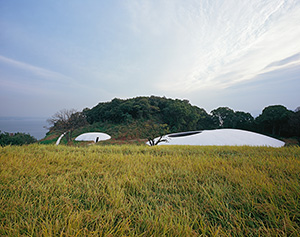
column 15, row 139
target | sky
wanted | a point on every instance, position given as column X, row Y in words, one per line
column 69, row 54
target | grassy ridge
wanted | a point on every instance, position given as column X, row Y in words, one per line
column 120, row 133
column 143, row 191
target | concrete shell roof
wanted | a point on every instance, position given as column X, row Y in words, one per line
column 221, row 137
column 92, row 136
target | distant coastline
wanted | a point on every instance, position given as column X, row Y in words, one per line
column 31, row 125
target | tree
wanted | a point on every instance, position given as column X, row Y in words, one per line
column 15, row 139
column 223, row 117
column 294, row 124
column 243, row 120
column 180, row 115
column 274, row 119
column 155, row 133
column 67, row 121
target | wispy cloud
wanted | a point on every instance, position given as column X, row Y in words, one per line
column 42, row 72
column 90, row 52
column 215, row 45
column 285, row 62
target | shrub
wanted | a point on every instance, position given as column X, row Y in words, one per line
column 15, row 139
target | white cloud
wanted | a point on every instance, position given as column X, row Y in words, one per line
column 185, row 49
column 211, row 45
column 33, row 69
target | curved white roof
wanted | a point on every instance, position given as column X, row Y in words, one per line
column 58, row 140
column 92, row 136
column 221, row 137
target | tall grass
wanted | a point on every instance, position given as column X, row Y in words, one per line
column 144, row 191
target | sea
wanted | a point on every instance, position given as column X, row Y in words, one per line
column 34, row 126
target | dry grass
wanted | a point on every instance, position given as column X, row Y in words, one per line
column 133, row 190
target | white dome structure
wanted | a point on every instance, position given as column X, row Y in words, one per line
column 220, row 137
column 93, row 136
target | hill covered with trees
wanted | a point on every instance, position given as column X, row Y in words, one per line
column 179, row 115
column 137, row 118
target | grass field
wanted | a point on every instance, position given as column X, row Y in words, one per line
column 135, row 190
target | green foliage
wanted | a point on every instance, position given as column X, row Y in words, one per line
column 15, row 139
column 149, row 191
column 243, row 120
column 274, row 119
column 294, row 124
column 154, row 131
column 128, row 119
column 179, row 115
column 128, row 131
column 225, row 117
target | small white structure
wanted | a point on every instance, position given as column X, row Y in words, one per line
column 58, row 140
column 221, row 137
column 93, row 136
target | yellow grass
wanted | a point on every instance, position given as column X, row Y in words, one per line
column 132, row 190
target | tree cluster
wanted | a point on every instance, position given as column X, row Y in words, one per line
column 277, row 120
column 224, row 117
column 15, row 139
column 179, row 115
column 161, row 114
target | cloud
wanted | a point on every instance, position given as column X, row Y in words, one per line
column 33, row 69
column 192, row 49
column 213, row 45
column 284, row 62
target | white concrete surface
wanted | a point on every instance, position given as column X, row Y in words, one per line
column 58, row 140
column 223, row 137
column 92, row 136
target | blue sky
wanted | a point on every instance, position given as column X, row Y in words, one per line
column 74, row 54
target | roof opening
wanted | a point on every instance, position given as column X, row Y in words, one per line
column 183, row 134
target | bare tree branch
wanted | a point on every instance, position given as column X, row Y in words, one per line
column 67, row 121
